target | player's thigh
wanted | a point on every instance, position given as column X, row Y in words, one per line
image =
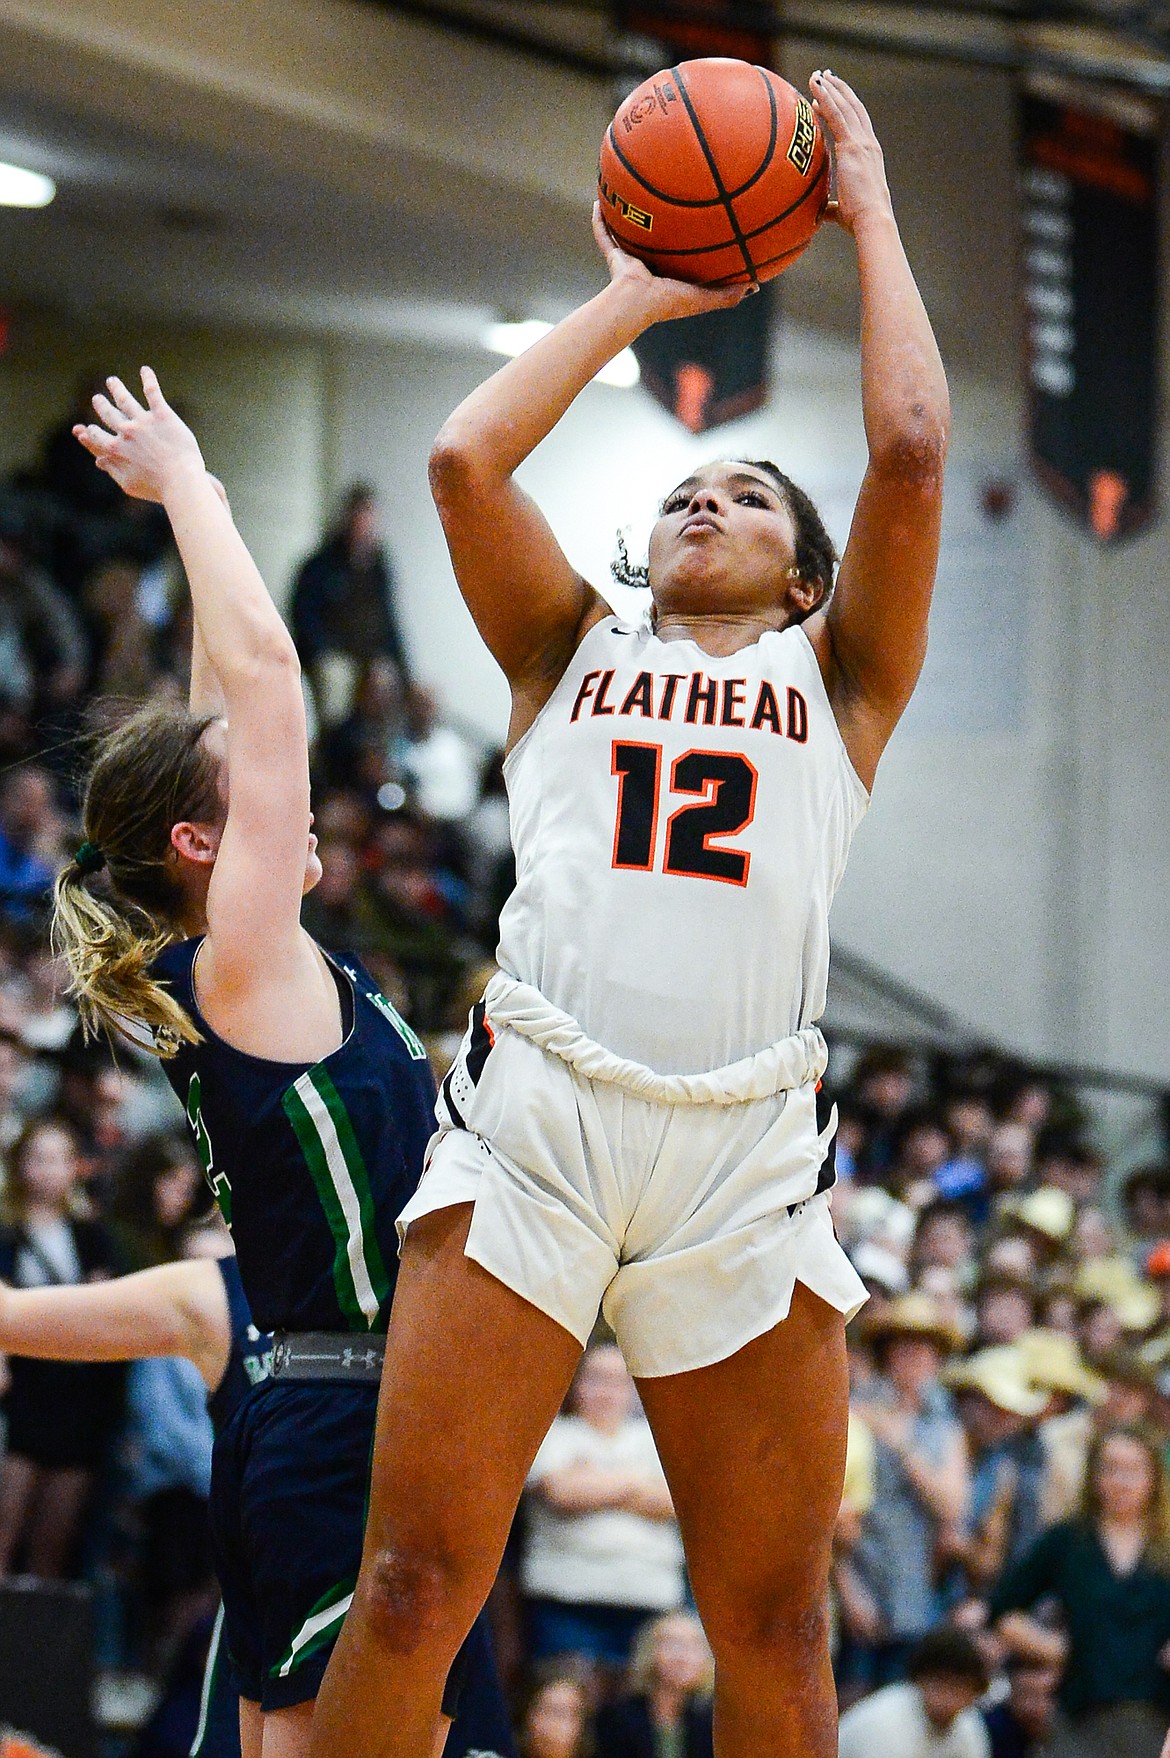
column 286, row 1731
column 754, row 1452
column 474, row 1376
column 251, row 1729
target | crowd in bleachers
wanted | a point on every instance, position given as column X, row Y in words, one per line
column 1001, row 1579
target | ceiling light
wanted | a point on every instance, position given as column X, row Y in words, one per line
column 24, row 189
column 516, row 338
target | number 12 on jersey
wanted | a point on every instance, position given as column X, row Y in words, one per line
column 726, row 784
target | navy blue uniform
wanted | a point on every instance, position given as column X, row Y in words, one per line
column 311, row 1163
column 481, row 1722
column 311, row 1166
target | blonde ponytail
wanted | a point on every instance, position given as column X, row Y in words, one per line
column 148, row 774
column 109, row 954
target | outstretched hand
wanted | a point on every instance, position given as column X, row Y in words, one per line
column 141, row 448
column 664, row 298
column 861, row 171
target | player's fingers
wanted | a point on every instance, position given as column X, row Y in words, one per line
column 851, row 104
column 833, row 211
column 121, row 396
column 95, row 439
column 827, row 104
column 720, row 298
column 113, row 418
column 151, row 389
column 606, row 242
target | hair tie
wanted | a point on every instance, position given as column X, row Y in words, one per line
column 89, row 859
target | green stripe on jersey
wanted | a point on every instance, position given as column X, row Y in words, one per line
column 317, row 1113
column 418, row 1050
column 320, row 1627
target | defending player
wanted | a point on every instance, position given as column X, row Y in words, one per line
column 310, row 1099
column 633, row 1115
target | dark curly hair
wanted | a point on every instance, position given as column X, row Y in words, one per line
column 816, row 556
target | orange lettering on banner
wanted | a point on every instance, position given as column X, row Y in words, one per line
column 693, row 386
column 1108, row 493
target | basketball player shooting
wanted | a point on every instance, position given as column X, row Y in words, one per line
column 633, row 1117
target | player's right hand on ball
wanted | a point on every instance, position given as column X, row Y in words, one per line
column 664, row 298
column 141, row 448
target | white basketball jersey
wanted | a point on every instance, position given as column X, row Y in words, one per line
column 680, row 824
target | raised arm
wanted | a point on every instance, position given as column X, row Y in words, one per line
column 176, row 1309
column 871, row 641
column 529, row 604
column 256, row 952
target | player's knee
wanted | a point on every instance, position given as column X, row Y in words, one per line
column 783, row 1631
column 410, row 1596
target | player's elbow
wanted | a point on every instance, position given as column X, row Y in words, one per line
column 914, row 448
column 266, row 655
column 457, row 467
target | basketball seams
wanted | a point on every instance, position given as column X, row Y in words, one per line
column 736, row 228
column 675, row 201
column 756, row 231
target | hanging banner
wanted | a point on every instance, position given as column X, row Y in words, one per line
column 740, row 28
column 712, row 368
column 1091, row 297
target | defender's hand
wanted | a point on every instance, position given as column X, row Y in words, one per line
column 142, row 449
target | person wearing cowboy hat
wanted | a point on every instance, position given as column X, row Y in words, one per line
column 921, row 1487
column 999, row 1411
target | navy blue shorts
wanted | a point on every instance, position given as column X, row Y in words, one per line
column 289, row 1493
column 481, row 1729
column 289, row 1484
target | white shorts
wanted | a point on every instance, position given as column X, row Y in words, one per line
column 689, row 1224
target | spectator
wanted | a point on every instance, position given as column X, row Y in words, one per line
column 933, row 1715
column 921, row 1491
column 998, row 1410
column 668, row 1710
column 1145, row 1197
column 61, row 1415
column 331, row 909
column 1108, row 1572
column 31, row 829
column 13, row 1067
column 43, row 650
column 1021, row 1725
column 554, row 1723
column 1004, row 1309
column 883, row 1085
column 343, row 598
column 1069, row 1165
column 945, row 1239
column 1009, row 1158
column 169, row 1444
column 159, row 1191
column 921, row 1148
column 366, row 749
column 1054, row 1365
column 603, row 1552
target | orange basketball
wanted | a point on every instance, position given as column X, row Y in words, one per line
column 714, row 171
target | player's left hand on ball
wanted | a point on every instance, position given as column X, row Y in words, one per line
column 665, row 298
column 141, row 448
column 861, row 171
